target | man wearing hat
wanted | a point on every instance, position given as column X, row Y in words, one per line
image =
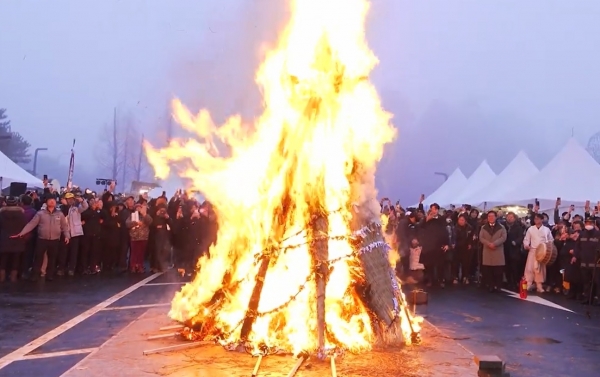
column 75, row 207
column 587, row 255
column 536, row 235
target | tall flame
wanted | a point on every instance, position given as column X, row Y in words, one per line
column 322, row 118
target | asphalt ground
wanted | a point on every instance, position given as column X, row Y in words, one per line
column 46, row 328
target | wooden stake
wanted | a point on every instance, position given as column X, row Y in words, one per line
column 297, row 366
column 162, row 336
column 320, row 254
column 177, row 347
column 257, row 366
column 173, row 327
column 333, row 369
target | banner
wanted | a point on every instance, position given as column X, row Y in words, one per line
column 71, row 168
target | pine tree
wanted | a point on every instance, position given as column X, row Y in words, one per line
column 12, row 144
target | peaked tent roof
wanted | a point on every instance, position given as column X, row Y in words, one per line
column 481, row 177
column 556, row 180
column 519, row 170
column 11, row 172
column 453, row 185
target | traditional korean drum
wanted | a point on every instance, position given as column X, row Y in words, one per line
column 546, row 253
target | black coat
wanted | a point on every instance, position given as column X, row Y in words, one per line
column 12, row 221
column 572, row 270
column 92, row 225
column 405, row 233
column 514, row 239
column 588, row 246
column 464, row 237
column 433, row 235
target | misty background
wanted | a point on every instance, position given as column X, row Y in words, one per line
column 466, row 80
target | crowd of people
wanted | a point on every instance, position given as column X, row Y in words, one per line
column 496, row 249
column 52, row 234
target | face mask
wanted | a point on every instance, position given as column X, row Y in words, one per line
column 566, row 217
column 589, row 227
column 448, row 221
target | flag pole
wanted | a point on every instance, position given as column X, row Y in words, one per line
column 71, row 168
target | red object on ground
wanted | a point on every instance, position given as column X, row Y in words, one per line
column 523, row 288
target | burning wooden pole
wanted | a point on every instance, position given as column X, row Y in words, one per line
column 279, row 223
column 319, row 249
column 301, row 359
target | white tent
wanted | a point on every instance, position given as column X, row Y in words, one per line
column 573, row 175
column 11, row 172
column 481, row 177
column 455, row 182
column 519, row 170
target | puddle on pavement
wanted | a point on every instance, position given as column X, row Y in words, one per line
column 539, row 340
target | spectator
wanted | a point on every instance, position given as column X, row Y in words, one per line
column 12, row 220
column 138, row 232
column 492, row 236
column 72, row 208
column 51, row 224
column 512, row 250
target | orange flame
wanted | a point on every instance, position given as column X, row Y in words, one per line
column 322, row 118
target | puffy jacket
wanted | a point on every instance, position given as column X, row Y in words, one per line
column 50, row 225
column 74, row 218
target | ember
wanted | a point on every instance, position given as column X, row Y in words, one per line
column 300, row 263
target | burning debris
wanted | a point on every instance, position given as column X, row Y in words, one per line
column 300, row 265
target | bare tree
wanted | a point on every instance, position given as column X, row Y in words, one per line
column 113, row 148
column 137, row 162
column 593, row 146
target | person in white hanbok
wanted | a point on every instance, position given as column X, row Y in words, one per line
column 537, row 234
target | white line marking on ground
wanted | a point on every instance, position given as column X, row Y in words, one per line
column 19, row 353
column 537, row 300
column 136, row 306
column 57, row 354
column 171, row 283
column 91, row 354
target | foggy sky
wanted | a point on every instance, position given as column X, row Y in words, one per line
column 466, row 80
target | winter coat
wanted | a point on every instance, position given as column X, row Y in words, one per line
column 74, row 218
column 12, row 220
column 142, row 231
column 405, row 233
column 495, row 235
column 572, row 270
column 50, row 225
column 111, row 230
column 91, row 222
column 464, row 237
column 433, row 235
column 514, row 239
column 29, row 212
column 587, row 247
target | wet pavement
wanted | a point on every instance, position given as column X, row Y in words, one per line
column 534, row 339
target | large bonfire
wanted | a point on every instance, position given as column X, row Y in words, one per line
column 292, row 195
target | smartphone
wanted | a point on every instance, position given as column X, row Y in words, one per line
column 45, row 177
column 558, row 200
column 537, row 203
